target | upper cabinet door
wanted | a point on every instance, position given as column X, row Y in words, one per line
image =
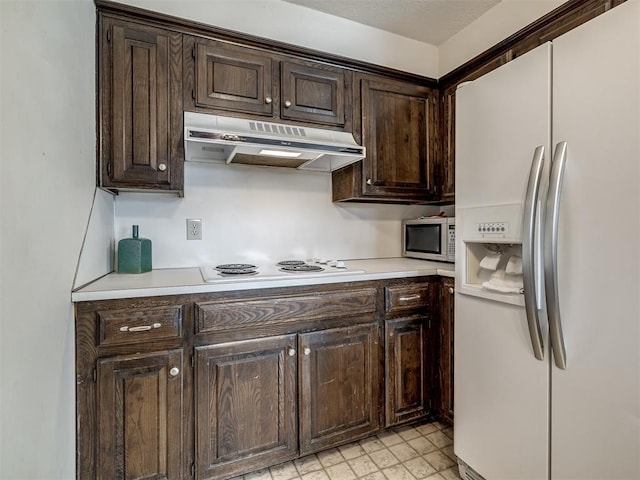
column 314, row 92
column 234, row 78
column 398, row 130
column 141, row 107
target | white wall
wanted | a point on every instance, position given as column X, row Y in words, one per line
column 302, row 26
column 503, row 20
column 260, row 214
column 47, row 157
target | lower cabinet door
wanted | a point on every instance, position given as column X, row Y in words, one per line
column 339, row 393
column 139, row 410
column 246, row 415
column 407, row 378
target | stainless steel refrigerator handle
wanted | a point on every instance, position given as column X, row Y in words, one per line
column 551, row 255
column 528, row 249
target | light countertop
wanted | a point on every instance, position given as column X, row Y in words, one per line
column 175, row 281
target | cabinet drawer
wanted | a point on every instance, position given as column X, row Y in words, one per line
column 234, row 315
column 407, row 297
column 132, row 326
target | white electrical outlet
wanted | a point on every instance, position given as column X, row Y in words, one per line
column 194, row 229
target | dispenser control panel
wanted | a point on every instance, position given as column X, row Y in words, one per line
column 500, row 228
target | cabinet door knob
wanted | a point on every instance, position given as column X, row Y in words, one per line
column 162, row 167
column 369, row 181
column 174, row 371
column 292, row 352
column 451, row 290
column 287, row 104
column 306, row 350
column 268, row 100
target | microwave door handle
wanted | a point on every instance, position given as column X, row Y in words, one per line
column 528, row 252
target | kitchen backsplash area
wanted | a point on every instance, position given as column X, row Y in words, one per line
column 259, row 214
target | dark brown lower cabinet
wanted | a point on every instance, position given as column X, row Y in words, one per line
column 339, row 386
column 406, row 379
column 139, row 408
column 246, row 411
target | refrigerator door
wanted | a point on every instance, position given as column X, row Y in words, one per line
column 501, row 389
column 595, row 406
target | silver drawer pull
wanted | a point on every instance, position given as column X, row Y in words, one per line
column 291, row 352
column 141, row 328
column 174, row 371
column 307, row 351
column 409, row 297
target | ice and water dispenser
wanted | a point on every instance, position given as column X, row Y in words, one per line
column 490, row 240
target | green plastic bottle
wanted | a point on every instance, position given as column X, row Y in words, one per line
column 134, row 254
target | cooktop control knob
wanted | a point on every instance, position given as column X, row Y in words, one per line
column 340, row 264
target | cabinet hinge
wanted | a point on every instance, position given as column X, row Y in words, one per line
column 109, row 168
column 193, row 93
column 193, row 52
column 95, row 374
column 193, row 360
column 109, row 35
column 192, row 469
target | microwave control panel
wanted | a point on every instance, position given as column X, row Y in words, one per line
column 451, row 244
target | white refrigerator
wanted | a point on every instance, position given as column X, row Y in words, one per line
column 547, row 361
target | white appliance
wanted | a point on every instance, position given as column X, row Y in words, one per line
column 226, row 140
column 547, row 381
column 288, row 270
column 430, row 238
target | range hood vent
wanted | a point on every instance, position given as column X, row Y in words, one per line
column 218, row 139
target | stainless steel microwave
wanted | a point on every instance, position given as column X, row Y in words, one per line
column 429, row 238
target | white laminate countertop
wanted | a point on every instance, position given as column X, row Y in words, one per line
column 175, row 281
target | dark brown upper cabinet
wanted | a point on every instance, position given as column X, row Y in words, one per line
column 236, row 80
column 314, row 93
column 230, row 77
column 140, row 107
column 398, row 129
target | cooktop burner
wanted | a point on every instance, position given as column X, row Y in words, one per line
column 236, row 266
column 301, row 268
column 289, row 263
column 237, row 271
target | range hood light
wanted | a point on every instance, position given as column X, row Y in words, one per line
column 280, row 153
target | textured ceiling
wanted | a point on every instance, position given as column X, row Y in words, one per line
column 428, row 21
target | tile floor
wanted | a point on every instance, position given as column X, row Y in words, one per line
column 422, row 452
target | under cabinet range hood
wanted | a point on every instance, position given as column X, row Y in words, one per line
column 218, row 139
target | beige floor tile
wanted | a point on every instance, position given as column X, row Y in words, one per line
column 422, row 445
column 307, row 464
column 351, row 450
column 437, row 476
column 284, row 471
column 420, row 468
column 330, row 457
column 448, row 451
column 371, row 444
column 319, row 475
column 448, row 432
column 390, row 438
column 383, row 458
column 341, row 471
column 403, row 452
column 362, row 465
column 427, row 428
column 397, row 472
column 451, row 473
column 439, row 439
column 375, row 476
column 407, row 433
column 439, row 460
